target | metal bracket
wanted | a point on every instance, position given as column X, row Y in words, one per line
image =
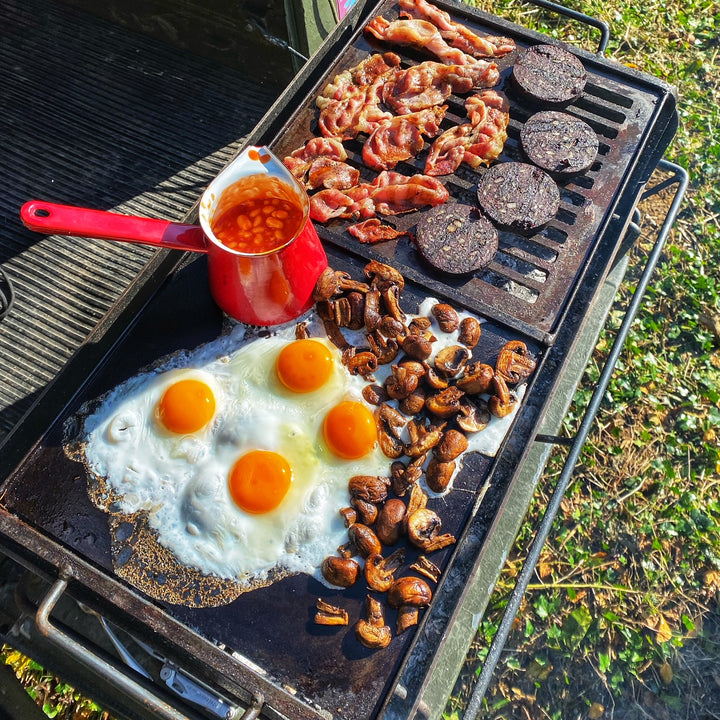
column 185, row 687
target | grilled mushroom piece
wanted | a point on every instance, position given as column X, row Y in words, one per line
column 376, row 270
column 364, row 364
column 380, row 571
column 367, row 512
column 473, row 416
column 502, row 402
column 401, row 383
column 438, row 474
column 373, row 316
column 346, row 283
column 356, row 301
column 371, row 488
column 340, row 571
column 423, row 529
column 408, row 594
column 451, row 360
column 384, row 349
column 476, row 379
column 446, row 403
column 403, row 477
column 328, row 614
column 451, row 446
column 446, row 316
column 423, row 437
column 372, row 632
column 416, row 346
column 364, row 540
column 470, row 332
column 326, row 285
column 413, row 403
column 513, row 363
column 427, row 568
column 374, row 394
column 390, row 521
column 349, row 516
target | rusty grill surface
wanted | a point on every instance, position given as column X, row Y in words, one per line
column 265, row 641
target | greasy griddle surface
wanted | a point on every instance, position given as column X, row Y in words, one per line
column 530, row 279
column 271, row 626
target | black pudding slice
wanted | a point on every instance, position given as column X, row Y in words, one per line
column 548, row 75
column 518, row 196
column 559, row 143
column 456, row 239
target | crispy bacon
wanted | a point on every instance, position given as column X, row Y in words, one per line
column 331, row 174
column 391, row 193
column 373, row 231
column 401, row 137
column 300, row 160
column 350, row 104
column 364, row 73
column 397, row 193
column 456, row 34
column 424, row 85
column 478, row 142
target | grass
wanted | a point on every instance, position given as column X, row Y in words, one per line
column 622, row 620
column 623, row 617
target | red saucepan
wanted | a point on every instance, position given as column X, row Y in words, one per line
column 264, row 255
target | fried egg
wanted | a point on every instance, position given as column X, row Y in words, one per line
column 240, row 457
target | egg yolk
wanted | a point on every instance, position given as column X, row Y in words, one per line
column 259, row 481
column 349, row 430
column 304, row 365
column 186, row 406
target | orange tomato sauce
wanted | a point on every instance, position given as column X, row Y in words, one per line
column 257, row 214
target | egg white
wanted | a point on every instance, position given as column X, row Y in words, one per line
column 182, row 481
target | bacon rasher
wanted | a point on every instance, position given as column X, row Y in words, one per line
column 373, row 231
column 391, row 193
column 456, row 34
column 320, row 163
column 478, row 142
column 401, row 137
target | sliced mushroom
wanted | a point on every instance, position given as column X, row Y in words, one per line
column 372, row 632
column 501, row 402
column 513, row 363
column 423, row 437
column 373, row 316
column 390, row 327
column 417, row 347
column 421, row 326
column 473, row 416
column 364, row 364
column 446, row 316
column 390, row 294
column 341, row 311
column 356, row 302
column 438, row 474
column 446, row 403
column 376, row 270
column 384, row 349
column 390, row 522
column 403, row 477
column 433, row 379
column 371, row 488
column 408, row 594
column 451, row 446
column 301, row 331
column 326, row 285
column 401, row 383
column 380, row 572
column 470, row 332
column 450, row 361
column 427, row 568
column 363, row 540
column 367, row 512
column 476, row 379
column 349, row 516
column 414, row 403
column 328, row 614
column 340, row 571
column 335, row 334
column 374, row 394
column 390, row 423
column 423, row 529
column 391, row 446
column 395, row 420
column 418, row 500
column 346, row 283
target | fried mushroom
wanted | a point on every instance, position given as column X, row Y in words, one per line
column 372, row 631
column 407, row 595
column 380, row 571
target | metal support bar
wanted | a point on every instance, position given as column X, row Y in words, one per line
column 600, row 25
column 498, row 643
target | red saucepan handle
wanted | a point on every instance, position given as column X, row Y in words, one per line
column 50, row 218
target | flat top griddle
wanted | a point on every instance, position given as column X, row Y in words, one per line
column 319, row 671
